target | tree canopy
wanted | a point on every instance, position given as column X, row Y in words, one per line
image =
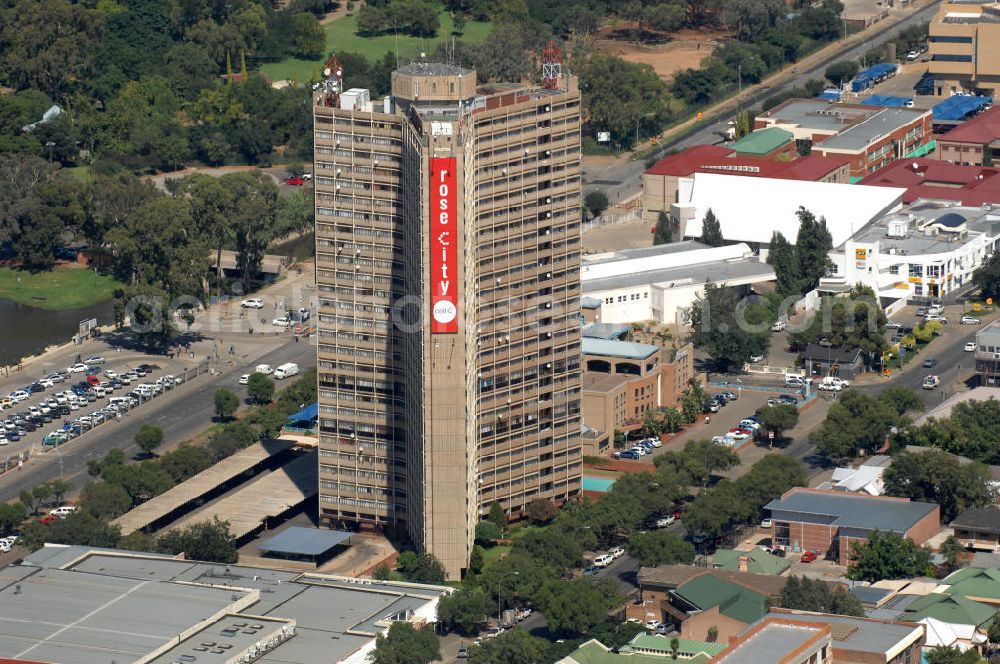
column 721, row 326
column 805, row 594
column 711, row 230
column 800, row 266
column 887, row 556
column 935, row 476
column 405, row 644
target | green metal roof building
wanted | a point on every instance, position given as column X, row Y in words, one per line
column 953, row 609
column 973, row 582
column 734, row 601
column 758, row 561
column 644, row 649
column 763, row 141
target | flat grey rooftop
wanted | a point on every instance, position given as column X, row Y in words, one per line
column 716, row 271
column 858, row 634
column 848, row 510
column 922, row 213
column 334, row 617
column 877, row 126
column 772, row 643
column 225, row 639
column 62, row 616
column 642, row 252
column 818, row 114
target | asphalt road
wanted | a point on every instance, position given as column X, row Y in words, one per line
column 182, row 413
column 621, row 179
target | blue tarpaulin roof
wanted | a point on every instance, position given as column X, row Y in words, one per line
column 830, row 95
column 888, row 100
column 299, row 541
column 309, row 413
column 959, row 107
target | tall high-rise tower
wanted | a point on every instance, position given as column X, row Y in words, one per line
column 448, row 268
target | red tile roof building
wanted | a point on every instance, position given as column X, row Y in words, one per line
column 661, row 181
column 940, row 180
column 973, row 142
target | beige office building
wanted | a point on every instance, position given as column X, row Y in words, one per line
column 964, row 45
column 448, row 269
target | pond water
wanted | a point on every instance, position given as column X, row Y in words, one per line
column 26, row 330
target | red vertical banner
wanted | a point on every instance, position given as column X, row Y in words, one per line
column 443, row 246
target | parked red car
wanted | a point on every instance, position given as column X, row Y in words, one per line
column 295, row 181
column 48, row 518
column 809, row 556
column 93, row 380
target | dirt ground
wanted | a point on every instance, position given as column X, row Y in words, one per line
column 631, row 235
column 687, row 48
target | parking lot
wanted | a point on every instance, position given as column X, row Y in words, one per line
column 62, row 405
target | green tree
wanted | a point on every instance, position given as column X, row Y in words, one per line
column 185, row 462
column 663, row 232
column 778, row 419
column 952, row 550
column 260, row 387
column 713, row 634
column 711, row 230
column 952, row 655
column 463, row 611
column 405, row 644
column 935, row 476
column 11, row 516
column 77, row 528
column 575, row 607
column 104, row 500
column 841, row 72
column 541, row 510
column 36, row 496
column 477, row 559
column 702, row 458
column 993, row 631
column 816, row 595
column 660, row 547
column 148, row 438
column 812, row 248
column 887, row 555
column 622, row 96
column 596, row 202
column 208, row 541
column 721, row 330
column 498, row 516
column 987, row 277
column 855, row 422
column 514, row 646
column 226, row 403
column 552, row 548
column 422, row 568
column 781, row 256
column 487, row 533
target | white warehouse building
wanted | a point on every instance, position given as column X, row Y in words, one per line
column 661, row 283
column 750, row 209
column 925, row 250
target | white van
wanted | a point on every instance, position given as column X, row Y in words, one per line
column 286, row 370
column 603, row 560
column 264, row 369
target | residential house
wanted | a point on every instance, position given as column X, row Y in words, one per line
column 978, row 528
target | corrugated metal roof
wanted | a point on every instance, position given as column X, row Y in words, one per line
column 762, row 141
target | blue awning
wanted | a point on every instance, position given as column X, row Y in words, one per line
column 308, row 414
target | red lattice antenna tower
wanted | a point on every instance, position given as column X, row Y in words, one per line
column 333, row 81
column 552, row 66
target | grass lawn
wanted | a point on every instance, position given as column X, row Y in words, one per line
column 494, row 553
column 341, row 37
column 78, row 173
column 60, row 288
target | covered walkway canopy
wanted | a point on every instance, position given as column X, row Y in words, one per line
column 298, row 542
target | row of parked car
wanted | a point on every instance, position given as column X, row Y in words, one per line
column 640, row 449
column 116, row 407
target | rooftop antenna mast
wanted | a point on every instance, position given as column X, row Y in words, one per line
column 333, row 81
column 552, row 66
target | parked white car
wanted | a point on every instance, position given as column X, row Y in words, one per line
column 63, row 511
column 970, row 347
column 283, row 321
column 264, row 369
column 252, row 303
column 79, row 367
column 970, row 320
column 603, row 560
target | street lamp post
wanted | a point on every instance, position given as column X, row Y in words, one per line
column 500, row 595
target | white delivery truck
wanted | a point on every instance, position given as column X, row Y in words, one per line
column 286, row 370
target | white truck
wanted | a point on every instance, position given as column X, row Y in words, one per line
column 931, row 382
column 286, row 370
